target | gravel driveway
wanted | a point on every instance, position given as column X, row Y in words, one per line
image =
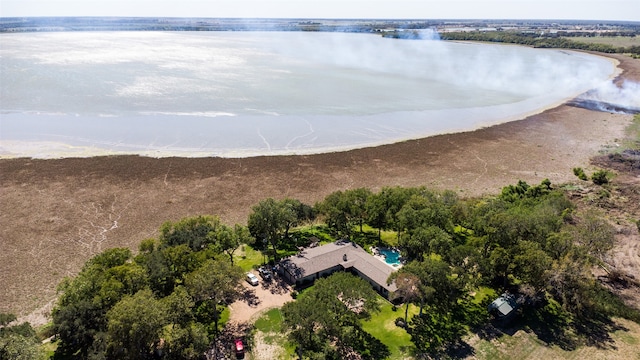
column 257, row 299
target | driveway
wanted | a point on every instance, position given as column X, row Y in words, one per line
column 257, row 299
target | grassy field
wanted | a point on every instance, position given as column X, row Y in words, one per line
column 269, row 340
column 382, row 326
column 623, row 344
column 247, row 257
column 617, row 41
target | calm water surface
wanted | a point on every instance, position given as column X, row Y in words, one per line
column 251, row 93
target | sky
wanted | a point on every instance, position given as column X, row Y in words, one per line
column 383, row 9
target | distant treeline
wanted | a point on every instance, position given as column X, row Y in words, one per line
column 537, row 40
column 204, row 24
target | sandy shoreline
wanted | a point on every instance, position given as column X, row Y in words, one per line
column 58, row 213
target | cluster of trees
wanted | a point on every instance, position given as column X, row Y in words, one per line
column 166, row 301
column 537, row 40
column 324, row 322
column 18, row 341
column 271, row 221
column 163, row 303
column 527, row 238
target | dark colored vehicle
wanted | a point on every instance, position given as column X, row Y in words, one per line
column 239, row 348
column 265, row 273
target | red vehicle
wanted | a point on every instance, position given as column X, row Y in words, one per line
column 239, row 346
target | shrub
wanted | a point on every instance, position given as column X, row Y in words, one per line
column 400, row 322
column 580, row 173
column 600, row 177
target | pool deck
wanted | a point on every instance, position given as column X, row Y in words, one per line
column 375, row 251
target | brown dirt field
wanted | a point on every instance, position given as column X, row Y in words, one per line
column 56, row 214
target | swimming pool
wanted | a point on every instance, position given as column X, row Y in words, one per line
column 391, row 257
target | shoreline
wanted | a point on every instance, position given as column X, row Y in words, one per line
column 63, row 211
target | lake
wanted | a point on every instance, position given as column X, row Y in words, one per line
column 238, row 94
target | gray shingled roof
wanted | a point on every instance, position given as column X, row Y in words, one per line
column 314, row 260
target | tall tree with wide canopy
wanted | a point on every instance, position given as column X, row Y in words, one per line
column 439, row 287
column 336, row 210
column 228, row 239
column 408, row 289
column 135, row 325
column 328, row 313
column 79, row 316
column 215, row 283
column 271, row 220
column 358, row 199
column 383, row 207
column 195, row 232
column 425, row 209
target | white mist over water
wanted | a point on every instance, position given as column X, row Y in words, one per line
column 239, row 94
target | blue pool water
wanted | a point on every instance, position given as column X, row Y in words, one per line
column 391, row 257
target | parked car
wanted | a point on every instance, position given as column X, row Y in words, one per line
column 265, row 273
column 239, row 348
column 252, row 279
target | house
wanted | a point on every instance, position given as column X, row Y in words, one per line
column 311, row 264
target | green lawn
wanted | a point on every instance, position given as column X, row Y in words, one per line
column 382, row 326
column 271, row 321
column 247, row 257
column 269, row 328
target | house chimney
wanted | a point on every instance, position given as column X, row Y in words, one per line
column 344, row 257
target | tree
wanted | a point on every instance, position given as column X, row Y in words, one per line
column 228, row 240
column 337, row 213
column 215, row 282
column 423, row 210
column 532, row 264
column 408, row 289
column 195, row 232
column 271, row 220
column 595, row 234
column 425, row 240
column 180, row 260
column 384, row 206
column 179, row 306
column 328, row 313
column 5, row 319
column 377, row 213
column 439, row 288
column 600, row 177
column 79, row 316
column 188, row 341
column 17, row 347
column 18, row 342
column 135, row 325
column 434, row 329
column 358, row 198
column 570, row 283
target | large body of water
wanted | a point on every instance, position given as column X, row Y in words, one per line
column 236, row 94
